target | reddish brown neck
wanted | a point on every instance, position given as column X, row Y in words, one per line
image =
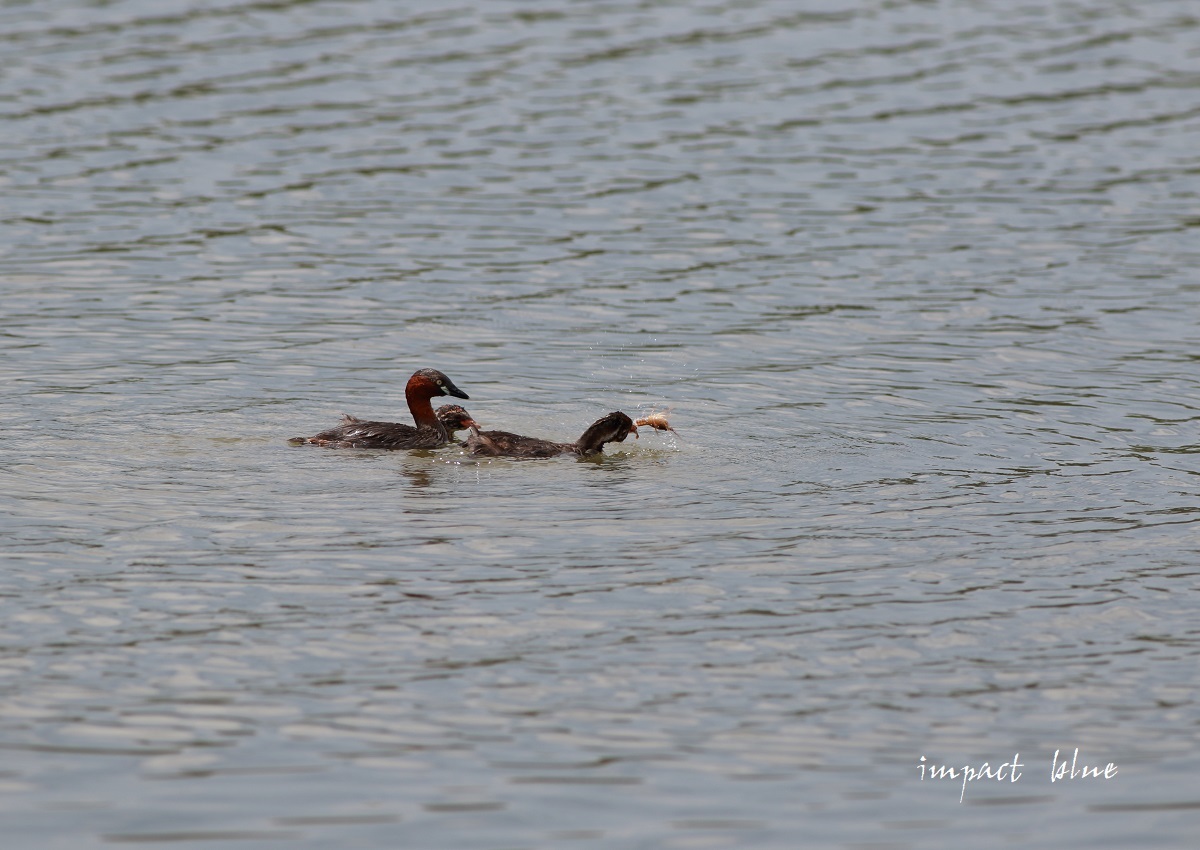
column 421, row 408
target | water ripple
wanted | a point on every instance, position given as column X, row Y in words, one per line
column 916, row 282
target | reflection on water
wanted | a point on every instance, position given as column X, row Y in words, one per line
column 915, row 280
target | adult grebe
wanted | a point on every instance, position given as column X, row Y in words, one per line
column 431, row 431
column 611, row 428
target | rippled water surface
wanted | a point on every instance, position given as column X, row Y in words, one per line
column 917, row 279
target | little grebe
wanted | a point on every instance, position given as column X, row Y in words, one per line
column 455, row 418
column 432, row 429
column 611, row 428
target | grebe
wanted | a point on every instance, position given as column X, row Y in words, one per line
column 611, row 428
column 431, row 431
column 455, row 418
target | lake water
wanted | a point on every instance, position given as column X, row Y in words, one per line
column 917, row 279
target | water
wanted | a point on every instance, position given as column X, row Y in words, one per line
column 917, row 279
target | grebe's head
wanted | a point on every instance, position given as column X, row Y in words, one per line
column 610, row 428
column 620, row 425
column 430, row 383
column 455, row 418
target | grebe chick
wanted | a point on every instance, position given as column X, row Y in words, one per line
column 430, row 431
column 611, row 428
column 455, row 418
column 361, row 434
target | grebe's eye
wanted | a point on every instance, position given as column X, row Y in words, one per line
column 440, row 384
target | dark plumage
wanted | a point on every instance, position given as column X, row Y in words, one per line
column 432, row 429
column 611, row 428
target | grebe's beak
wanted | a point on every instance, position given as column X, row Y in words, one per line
column 633, row 430
column 450, row 389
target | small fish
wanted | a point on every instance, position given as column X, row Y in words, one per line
column 658, row 421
